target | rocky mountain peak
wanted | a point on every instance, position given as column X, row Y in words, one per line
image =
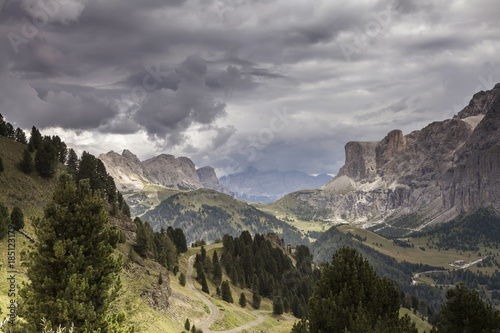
column 360, row 160
column 393, row 144
column 130, row 156
column 209, row 180
column 480, row 103
column 443, row 169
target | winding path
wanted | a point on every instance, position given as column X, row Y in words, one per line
column 417, row 275
column 214, row 310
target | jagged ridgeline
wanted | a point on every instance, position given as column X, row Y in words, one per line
column 207, row 214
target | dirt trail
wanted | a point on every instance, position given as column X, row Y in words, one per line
column 214, row 310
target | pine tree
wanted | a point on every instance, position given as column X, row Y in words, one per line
column 187, row 325
column 465, row 311
column 180, row 240
column 4, row 220
column 286, row 306
column 141, row 239
column 35, row 138
column 350, row 296
column 46, row 159
column 182, row 279
column 3, row 126
column 300, row 327
column 21, row 136
column 26, row 165
column 217, row 273
column 73, row 274
column 17, row 218
column 243, row 300
column 277, row 306
column 256, row 299
column 72, row 162
column 203, row 282
column 226, row 292
column 160, row 279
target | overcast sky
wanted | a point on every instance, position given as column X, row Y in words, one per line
column 235, row 83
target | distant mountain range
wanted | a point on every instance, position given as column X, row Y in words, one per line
column 404, row 183
column 267, row 186
column 179, row 173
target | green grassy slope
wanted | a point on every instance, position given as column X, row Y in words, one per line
column 141, row 298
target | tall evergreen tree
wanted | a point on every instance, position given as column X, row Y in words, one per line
column 72, row 161
column 26, row 165
column 256, row 299
column 182, row 279
column 11, row 132
column 4, row 220
column 73, row 274
column 277, row 306
column 3, row 126
column 464, row 311
column 180, row 240
column 141, row 239
column 243, row 300
column 46, row 159
column 35, row 138
column 351, row 297
column 21, row 136
column 226, row 292
column 203, row 282
column 217, row 273
column 17, row 218
column 187, row 325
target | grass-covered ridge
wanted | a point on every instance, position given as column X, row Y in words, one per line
column 208, row 214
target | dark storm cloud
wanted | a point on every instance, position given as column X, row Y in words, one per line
column 169, row 113
column 211, row 72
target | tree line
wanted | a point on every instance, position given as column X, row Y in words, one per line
column 163, row 246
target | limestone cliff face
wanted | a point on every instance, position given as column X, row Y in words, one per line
column 445, row 168
column 169, row 171
column 126, row 170
column 131, row 175
column 209, row 180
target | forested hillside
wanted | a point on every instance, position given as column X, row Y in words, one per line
column 207, row 214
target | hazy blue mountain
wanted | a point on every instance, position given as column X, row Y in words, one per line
column 268, row 186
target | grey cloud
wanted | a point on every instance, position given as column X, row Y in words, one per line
column 253, row 56
column 169, row 113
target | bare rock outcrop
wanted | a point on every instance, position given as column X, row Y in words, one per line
column 208, row 179
column 445, row 168
column 167, row 170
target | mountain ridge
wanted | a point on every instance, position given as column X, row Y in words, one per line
column 436, row 172
column 267, row 186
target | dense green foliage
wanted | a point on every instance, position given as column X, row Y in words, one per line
column 262, row 266
column 27, row 165
column 163, row 246
column 211, row 221
column 17, row 218
column 468, row 231
column 464, row 312
column 351, row 297
column 4, row 221
column 243, row 300
column 401, row 272
column 73, row 274
column 226, row 292
column 46, row 158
